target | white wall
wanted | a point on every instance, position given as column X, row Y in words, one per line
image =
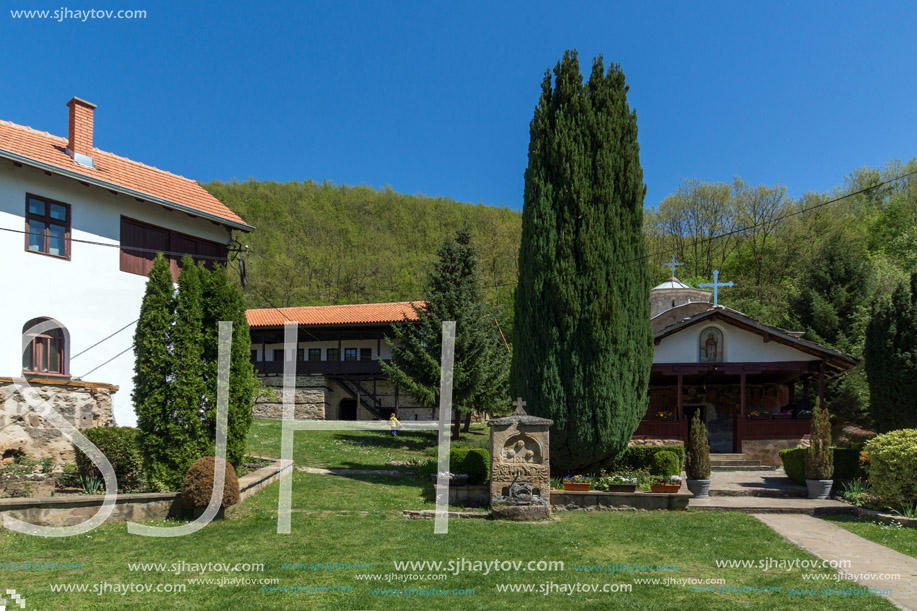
column 740, row 346
column 88, row 294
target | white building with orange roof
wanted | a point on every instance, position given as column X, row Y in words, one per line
column 79, row 228
column 337, row 354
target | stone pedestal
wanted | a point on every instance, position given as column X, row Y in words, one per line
column 520, row 475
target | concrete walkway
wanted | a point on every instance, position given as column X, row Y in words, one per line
column 763, row 492
column 832, row 543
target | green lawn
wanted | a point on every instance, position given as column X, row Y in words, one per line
column 900, row 539
column 357, row 519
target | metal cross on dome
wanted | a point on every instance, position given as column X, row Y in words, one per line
column 673, row 265
column 715, row 284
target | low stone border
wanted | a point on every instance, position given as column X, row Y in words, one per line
column 595, row 500
column 428, row 514
column 134, row 507
column 469, row 496
column 885, row 518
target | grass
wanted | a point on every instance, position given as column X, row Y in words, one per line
column 898, row 538
column 358, row 519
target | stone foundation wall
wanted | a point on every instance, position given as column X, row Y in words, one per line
column 654, row 441
column 24, row 431
column 319, row 398
column 594, row 500
column 768, row 450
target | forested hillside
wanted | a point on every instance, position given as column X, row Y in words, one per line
column 818, row 271
column 320, row 243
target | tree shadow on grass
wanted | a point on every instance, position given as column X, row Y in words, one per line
column 414, row 441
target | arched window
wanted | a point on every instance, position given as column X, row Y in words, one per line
column 711, row 346
column 45, row 348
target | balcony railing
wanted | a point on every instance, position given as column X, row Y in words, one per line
column 327, row 368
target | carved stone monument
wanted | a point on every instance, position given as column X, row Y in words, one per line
column 520, row 475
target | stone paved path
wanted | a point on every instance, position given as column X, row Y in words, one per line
column 755, row 483
column 831, row 542
column 760, row 504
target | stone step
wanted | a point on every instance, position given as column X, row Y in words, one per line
column 777, row 507
column 735, row 463
column 743, row 468
column 761, row 492
column 719, row 456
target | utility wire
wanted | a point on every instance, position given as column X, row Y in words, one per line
column 104, row 339
column 129, row 348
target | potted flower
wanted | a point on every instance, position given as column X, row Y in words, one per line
column 664, row 414
column 697, row 459
column 820, row 456
column 579, row 483
column 668, row 485
column 756, row 415
column 622, row 482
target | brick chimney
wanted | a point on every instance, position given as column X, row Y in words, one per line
column 79, row 143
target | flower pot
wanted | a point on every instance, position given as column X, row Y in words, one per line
column 665, row 488
column 577, row 486
column 622, row 487
column 819, row 488
column 700, row 488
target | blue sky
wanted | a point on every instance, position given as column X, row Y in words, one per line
column 436, row 97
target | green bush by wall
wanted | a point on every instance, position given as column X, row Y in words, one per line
column 666, row 463
column 846, row 465
column 121, row 446
column 641, row 457
column 893, row 465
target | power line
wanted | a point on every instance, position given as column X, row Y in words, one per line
column 131, row 347
column 104, row 339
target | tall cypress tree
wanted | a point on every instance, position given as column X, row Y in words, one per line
column 186, row 430
column 582, row 339
column 153, row 368
column 223, row 301
column 481, row 366
column 891, row 358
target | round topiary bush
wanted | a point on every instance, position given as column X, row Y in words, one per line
column 666, row 463
column 120, row 446
column 892, row 465
column 198, row 485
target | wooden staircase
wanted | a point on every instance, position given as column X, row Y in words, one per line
column 364, row 397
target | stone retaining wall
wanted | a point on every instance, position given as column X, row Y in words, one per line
column 594, row 500
column 469, row 496
column 134, row 507
column 23, row 431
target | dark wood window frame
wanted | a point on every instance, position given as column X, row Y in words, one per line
column 42, row 348
column 351, row 354
column 366, row 354
column 333, row 354
column 281, row 353
column 315, row 352
column 139, row 262
column 47, row 220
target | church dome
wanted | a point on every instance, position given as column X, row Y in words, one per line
column 672, row 283
column 674, row 293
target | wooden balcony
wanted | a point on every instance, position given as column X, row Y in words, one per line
column 368, row 368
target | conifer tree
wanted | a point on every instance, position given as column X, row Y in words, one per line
column 153, row 369
column 223, row 301
column 454, row 292
column 187, row 437
column 582, row 338
column 891, row 359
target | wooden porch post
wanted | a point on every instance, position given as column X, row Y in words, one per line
column 681, row 409
column 821, row 386
column 740, row 424
column 792, row 390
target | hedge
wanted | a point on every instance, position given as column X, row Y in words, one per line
column 641, row 457
column 892, row 467
column 846, row 465
column 120, row 445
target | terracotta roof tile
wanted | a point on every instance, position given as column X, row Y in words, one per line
column 364, row 313
column 112, row 169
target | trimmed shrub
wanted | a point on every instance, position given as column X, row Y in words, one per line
column 121, row 446
column 475, row 462
column 666, row 463
column 794, row 464
column 846, row 465
column 636, row 458
column 697, row 453
column 198, row 484
column 892, row 465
